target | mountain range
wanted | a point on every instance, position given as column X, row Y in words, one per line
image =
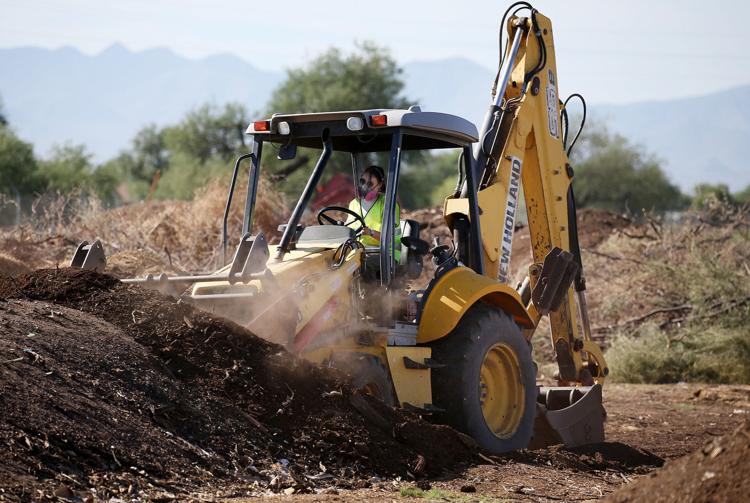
column 51, row 96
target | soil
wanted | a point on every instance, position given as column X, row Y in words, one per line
column 647, row 425
column 10, row 266
column 127, row 392
column 719, row 472
column 112, row 391
column 108, row 390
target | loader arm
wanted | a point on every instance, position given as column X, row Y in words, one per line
column 521, row 151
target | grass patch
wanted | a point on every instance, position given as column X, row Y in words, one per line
column 694, row 354
column 440, row 495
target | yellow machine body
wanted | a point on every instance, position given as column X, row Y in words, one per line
column 309, row 296
column 315, row 303
column 456, row 292
column 309, row 299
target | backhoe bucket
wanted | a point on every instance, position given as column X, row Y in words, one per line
column 90, row 256
column 570, row 415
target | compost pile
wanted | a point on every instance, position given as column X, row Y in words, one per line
column 718, row 472
column 108, row 390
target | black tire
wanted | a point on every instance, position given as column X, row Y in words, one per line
column 456, row 387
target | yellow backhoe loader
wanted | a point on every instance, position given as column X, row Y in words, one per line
column 459, row 350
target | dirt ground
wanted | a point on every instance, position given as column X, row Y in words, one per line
column 646, row 426
column 112, row 391
column 127, row 391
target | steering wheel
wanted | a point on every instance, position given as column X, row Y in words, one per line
column 324, row 219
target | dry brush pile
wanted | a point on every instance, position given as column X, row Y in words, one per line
column 676, row 299
column 671, row 301
column 175, row 236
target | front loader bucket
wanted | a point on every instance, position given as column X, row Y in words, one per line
column 570, row 415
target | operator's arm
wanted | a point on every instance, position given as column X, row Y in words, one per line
column 396, row 228
column 353, row 206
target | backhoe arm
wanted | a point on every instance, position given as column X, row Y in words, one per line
column 520, row 151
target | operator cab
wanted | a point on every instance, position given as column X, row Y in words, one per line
column 358, row 138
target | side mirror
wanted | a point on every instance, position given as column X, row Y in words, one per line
column 287, row 152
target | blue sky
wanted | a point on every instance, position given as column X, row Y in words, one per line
column 612, row 51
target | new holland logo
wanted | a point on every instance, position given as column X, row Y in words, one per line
column 511, row 208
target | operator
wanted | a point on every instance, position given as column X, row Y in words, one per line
column 371, row 206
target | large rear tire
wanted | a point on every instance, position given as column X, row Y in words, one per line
column 488, row 385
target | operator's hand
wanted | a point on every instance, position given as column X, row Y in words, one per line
column 369, row 232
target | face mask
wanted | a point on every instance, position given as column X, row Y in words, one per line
column 370, row 193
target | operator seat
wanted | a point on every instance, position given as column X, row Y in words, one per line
column 410, row 264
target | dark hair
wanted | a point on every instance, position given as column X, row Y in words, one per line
column 375, row 171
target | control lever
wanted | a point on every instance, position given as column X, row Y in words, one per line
column 442, row 255
column 418, row 246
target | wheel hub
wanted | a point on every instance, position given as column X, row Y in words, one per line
column 501, row 392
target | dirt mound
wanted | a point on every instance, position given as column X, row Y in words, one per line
column 604, row 456
column 719, row 472
column 125, row 391
column 596, row 225
column 10, row 266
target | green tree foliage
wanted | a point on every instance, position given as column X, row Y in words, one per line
column 743, row 196
column 428, row 180
column 367, row 78
column 70, row 168
column 611, row 173
column 707, row 195
column 18, row 166
column 3, row 119
column 209, row 132
column 185, row 155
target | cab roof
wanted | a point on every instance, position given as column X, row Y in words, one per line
column 421, row 130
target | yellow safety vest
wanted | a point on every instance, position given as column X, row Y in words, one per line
column 374, row 220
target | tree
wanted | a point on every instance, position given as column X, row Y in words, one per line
column 611, row 173
column 428, row 180
column 743, row 196
column 367, row 78
column 207, row 136
column 209, row 132
column 150, row 153
column 18, row 166
column 70, row 168
column 3, row 118
column 706, row 195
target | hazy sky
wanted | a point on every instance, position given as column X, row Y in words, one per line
column 612, row 51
